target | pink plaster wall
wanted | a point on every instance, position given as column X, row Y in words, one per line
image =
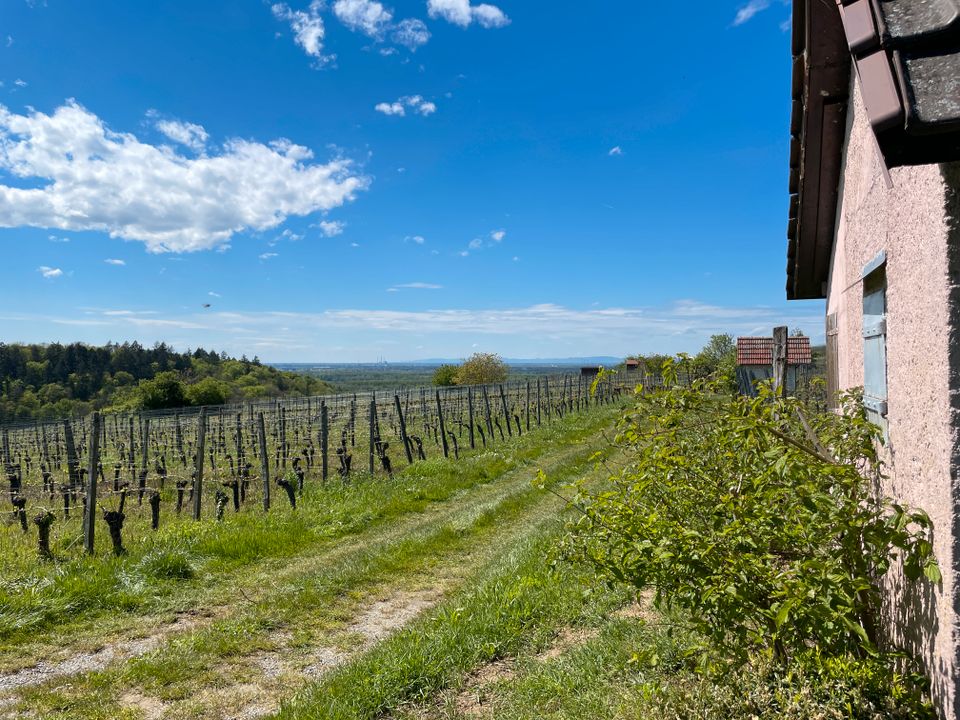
column 912, row 224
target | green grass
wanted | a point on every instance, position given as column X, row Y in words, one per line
column 298, row 576
column 183, row 555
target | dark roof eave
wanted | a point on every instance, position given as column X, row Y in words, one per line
column 821, row 88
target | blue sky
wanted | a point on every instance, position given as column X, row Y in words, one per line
column 345, row 180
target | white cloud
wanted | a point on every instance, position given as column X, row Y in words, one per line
column 20, row 83
column 411, row 33
column 365, row 16
column 268, row 256
column 498, row 235
column 462, row 13
column 348, row 335
column 214, row 294
column 114, row 261
column 746, row 12
column 9, row 41
column 49, row 272
column 102, row 180
column 475, row 244
column 55, row 239
column 416, row 239
column 390, row 108
column 615, row 151
column 188, row 134
column 416, row 103
column 331, row 228
column 308, row 28
column 416, row 286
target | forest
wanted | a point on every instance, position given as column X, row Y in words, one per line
column 53, row 381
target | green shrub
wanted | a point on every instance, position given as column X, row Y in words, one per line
column 758, row 521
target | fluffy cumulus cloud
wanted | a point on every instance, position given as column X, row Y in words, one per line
column 331, row 228
column 187, row 134
column 68, row 171
column 50, row 272
column 365, row 16
column 308, row 28
column 415, row 103
column 411, row 33
column 464, row 14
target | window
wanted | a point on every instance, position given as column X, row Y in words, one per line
column 875, row 341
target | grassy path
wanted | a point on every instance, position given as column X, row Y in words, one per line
column 265, row 617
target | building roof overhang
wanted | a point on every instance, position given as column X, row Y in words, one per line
column 906, row 54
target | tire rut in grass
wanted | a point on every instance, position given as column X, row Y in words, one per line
column 459, row 509
column 269, row 676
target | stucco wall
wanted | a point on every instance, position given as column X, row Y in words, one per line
column 912, row 224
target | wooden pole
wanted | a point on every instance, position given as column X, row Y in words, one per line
column 264, row 460
column 89, row 518
column 473, row 440
column 403, row 430
column 780, row 342
column 546, row 391
column 198, row 481
column 324, row 439
column 506, row 411
column 131, row 458
column 144, row 459
column 528, row 406
column 373, row 432
column 443, row 427
column 486, row 406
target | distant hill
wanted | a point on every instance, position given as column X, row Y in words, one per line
column 55, row 381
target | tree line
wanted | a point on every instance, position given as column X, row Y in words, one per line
column 56, row 380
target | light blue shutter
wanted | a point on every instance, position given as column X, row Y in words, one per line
column 875, row 343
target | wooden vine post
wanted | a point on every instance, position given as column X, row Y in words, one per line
column 89, row 516
column 443, row 427
column 373, row 431
column 528, row 406
column 506, row 412
column 264, row 461
column 198, row 482
column 144, row 460
column 72, row 469
column 324, row 438
column 546, row 391
column 486, row 406
column 403, row 430
column 473, row 441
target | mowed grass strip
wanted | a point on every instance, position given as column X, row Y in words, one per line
column 516, row 603
column 315, row 600
column 186, row 560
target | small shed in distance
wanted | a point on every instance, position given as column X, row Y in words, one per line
column 632, row 364
column 755, row 361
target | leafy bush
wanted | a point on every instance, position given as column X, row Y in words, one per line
column 445, row 375
column 163, row 391
column 208, row 391
column 482, row 369
column 758, row 521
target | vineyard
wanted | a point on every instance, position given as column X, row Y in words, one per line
column 83, row 485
